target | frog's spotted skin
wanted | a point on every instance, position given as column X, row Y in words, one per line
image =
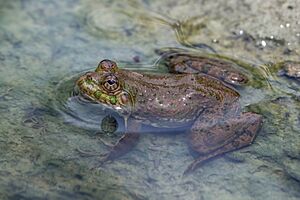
column 221, row 69
column 204, row 104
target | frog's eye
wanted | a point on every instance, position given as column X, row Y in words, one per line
column 111, row 83
column 107, row 66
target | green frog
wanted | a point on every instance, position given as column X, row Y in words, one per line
column 197, row 96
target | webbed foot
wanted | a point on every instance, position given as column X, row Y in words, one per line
column 124, row 145
column 234, row 134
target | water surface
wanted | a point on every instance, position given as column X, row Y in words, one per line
column 46, row 45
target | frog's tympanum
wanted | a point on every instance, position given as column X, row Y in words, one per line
column 203, row 104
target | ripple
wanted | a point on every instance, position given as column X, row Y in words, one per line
column 114, row 25
column 83, row 113
column 80, row 112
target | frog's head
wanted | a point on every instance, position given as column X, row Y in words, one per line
column 104, row 86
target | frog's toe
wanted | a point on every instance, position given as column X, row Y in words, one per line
column 196, row 163
column 188, row 170
column 235, row 78
column 85, row 153
column 104, row 159
column 191, row 168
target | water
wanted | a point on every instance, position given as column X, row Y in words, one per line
column 46, row 45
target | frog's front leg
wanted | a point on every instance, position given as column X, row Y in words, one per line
column 211, row 140
column 125, row 143
column 218, row 68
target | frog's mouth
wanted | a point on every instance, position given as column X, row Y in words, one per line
column 83, row 97
column 123, row 110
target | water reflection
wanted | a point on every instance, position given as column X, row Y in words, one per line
column 81, row 112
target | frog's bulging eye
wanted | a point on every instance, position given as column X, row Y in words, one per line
column 111, row 83
column 107, row 66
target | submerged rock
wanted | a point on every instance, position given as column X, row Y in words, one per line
column 292, row 166
column 291, row 69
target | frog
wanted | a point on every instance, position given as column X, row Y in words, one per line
column 198, row 96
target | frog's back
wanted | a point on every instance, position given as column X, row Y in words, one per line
column 178, row 99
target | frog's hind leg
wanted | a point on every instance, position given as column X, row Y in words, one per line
column 123, row 146
column 222, row 137
column 216, row 67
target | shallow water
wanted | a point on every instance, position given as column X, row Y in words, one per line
column 46, row 45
